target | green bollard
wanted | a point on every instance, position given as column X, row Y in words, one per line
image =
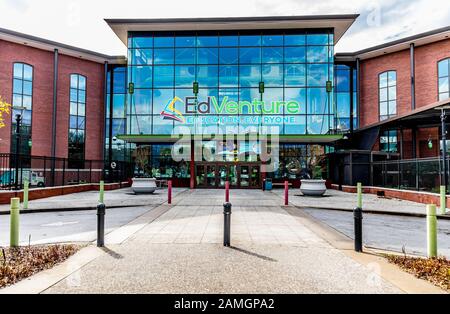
column 359, row 190
column 26, row 186
column 14, row 226
column 101, row 197
column 443, row 200
column 431, row 231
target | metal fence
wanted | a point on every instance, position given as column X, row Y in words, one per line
column 412, row 174
column 42, row 171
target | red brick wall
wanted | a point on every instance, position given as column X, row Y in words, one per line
column 42, row 62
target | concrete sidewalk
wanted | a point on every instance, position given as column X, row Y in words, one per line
column 347, row 201
column 89, row 200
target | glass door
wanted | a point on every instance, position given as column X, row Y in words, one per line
column 211, row 176
column 245, row 176
column 200, row 178
column 222, row 175
column 255, row 176
column 232, row 175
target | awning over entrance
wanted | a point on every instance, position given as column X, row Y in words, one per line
column 299, row 139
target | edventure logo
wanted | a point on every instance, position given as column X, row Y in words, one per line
column 227, row 107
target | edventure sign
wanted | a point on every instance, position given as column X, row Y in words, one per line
column 192, row 106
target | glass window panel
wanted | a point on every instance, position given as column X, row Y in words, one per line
column 18, row 70
column 81, row 121
column 17, row 89
column 317, row 54
column 73, row 108
column 318, row 101
column 383, row 94
column 82, row 96
column 231, row 93
column 204, row 93
column 392, row 78
column 185, row 55
column 184, row 75
column 73, row 121
column 141, row 125
column 343, row 104
column 161, row 97
column 443, row 68
column 272, row 75
column 272, row 40
column 273, row 95
column 318, row 124
column 208, row 76
column 73, row 95
column 17, row 100
column 164, row 42
column 249, row 94
column 229, row 55
column 27, row 72
column 392, row 108
column 297, row 127
column 208, row 41
column 392, row 93
column 185, row 41
column 27, row 88
column 249, row 75
column 26, row 117
column 208, row 56
column 272, row 55
column 443, row 96
column 297, row 94
column 228, row 76
column 161, row 126
column 249, row 55
column 229, row 41
column 141, row 56
column 141, row 76
column 342, row 81
column 250, row 40
column 118, row 126
column 74, row 81
column 294, row 40
column 164, row 56
column 82, row 109
column 443, row 85
column 295, row 74
column 383, row 80
column 383, row 108
column 295, row 54
column 317, row 39
column 27, row 102
column 317, row 74
column 81, row 82
column 142, row 42
column 164, row 76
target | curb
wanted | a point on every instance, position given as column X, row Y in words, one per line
column 376, row 212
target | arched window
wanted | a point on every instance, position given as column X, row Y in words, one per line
column 444, row 79
column 22, row 103
column 77, row 124
column 387, row 94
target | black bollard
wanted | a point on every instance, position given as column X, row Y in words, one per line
column 358, row 215
column 226, row 224
column 101, row 210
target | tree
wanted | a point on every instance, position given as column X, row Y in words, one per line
column 4, row 108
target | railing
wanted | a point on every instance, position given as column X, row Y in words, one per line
column 412, row 174
column 42, row 171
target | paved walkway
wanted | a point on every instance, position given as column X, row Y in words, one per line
column 341, row 200
column 85, row 200
column 181, row 252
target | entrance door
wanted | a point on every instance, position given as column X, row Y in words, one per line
column 214, row 175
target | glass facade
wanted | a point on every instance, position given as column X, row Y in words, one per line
column 22, row 104
column 345, row 91
column 77, row 121
column 245, row 81
column 444, row 79
column 387, row 94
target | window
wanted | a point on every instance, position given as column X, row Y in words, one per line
column 443, row 79
column 387, row 86
column 388, row 141
column 77, row 122
column 22, row 103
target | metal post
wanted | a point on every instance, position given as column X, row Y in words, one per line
column 26, row 185
column 227, row 191
column 444, row 179
column 101, row 197
column 101, row 211
column 226, row 224
column 431, row 231
column 169, row 192
column 358, row 216
column 443, row 202
column 359, row 190
column 18, row 121
column 286, row 193
column 14, row 222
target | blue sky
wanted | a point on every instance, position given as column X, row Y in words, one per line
column 80, row 22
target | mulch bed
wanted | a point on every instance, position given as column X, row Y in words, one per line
column 19, row 263
column 435, row 270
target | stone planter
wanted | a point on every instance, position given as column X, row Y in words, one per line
column 313, row 187
column 144, row 185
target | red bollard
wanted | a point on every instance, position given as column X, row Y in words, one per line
column 169, row 192
column 286, row 193
column 227, row 191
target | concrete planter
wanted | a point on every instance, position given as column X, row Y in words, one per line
column 144, row 185
column 313, row 187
